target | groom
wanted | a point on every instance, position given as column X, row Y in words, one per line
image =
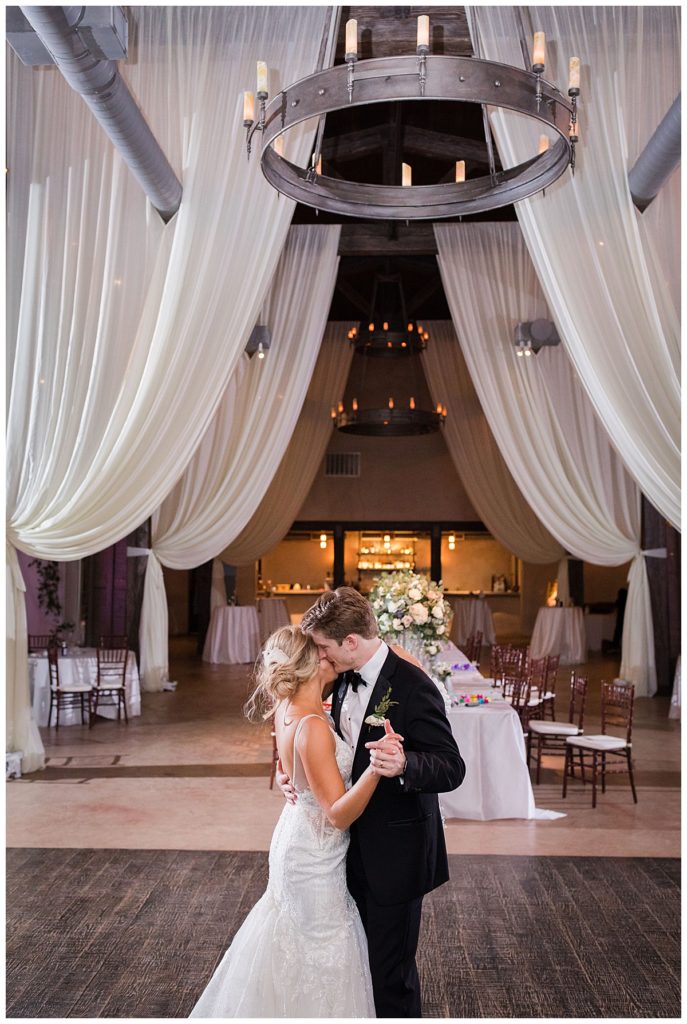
column 397, row 851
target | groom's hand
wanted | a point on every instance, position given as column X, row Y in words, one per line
column 284, row 783
column 386, row 755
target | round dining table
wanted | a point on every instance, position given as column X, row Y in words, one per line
column 233, row 636
column 78, row 665
column 472, row 615
column 273, row 613
column 560, row 631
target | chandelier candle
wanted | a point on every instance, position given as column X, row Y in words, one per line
column 248, row 109
column 460, row 170
column 352, row 39
column 406, row 175
column 539, row 52
column 263, row 80
column 573, row 75
column 543, row 143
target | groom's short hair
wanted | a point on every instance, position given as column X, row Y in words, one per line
column 340, row 612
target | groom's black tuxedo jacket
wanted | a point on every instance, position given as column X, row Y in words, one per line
column 400, row 834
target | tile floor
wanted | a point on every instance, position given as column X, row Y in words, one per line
column 192, row 774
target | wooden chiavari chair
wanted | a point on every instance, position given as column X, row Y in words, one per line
column 552, row 736
column 40, row 642
column 549, row 695
column 472, row 648
column 65, row 695
column 110, row 688
column 617, row 707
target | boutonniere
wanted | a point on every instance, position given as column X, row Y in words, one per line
column 380, row 712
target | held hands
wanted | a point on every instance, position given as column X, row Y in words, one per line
column 386, row 755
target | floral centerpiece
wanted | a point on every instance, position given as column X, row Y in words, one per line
column 411, row 611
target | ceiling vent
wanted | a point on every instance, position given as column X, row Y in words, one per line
column 342, row 464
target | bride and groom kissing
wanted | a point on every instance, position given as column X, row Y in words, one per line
column 360, row 839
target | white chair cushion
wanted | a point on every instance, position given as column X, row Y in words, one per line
column 549, row 696
column 74, row 688
column 598, row 742
column 554, row 728
column 104, row 685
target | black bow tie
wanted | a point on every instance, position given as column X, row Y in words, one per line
column 355, row 680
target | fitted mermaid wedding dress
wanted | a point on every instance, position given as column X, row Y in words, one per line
column 302, row 951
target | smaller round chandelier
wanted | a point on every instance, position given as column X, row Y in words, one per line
column 390, row 335
column 418, row 77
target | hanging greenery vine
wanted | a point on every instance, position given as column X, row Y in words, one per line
column 48, row 586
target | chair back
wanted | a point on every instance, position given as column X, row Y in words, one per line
column 617, row 707
column 537, row 674
column 472, row 648
column 111, row 665
column 53, row 666
column 40, row 642
column 552, row 663
column 578, row 699
column 114, row 642
column 518, row 690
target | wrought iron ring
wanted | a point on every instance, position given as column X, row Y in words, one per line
column 386, row 79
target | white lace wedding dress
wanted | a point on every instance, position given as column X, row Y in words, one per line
column 302, row 951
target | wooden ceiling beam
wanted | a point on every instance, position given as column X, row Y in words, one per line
column 373, row 240
column 387, row 31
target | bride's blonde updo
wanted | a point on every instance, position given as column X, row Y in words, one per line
column 289, row 658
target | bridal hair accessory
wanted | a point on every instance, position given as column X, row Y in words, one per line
column 275, row 656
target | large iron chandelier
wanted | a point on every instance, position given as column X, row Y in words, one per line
column 422, row 76
column 388, row 334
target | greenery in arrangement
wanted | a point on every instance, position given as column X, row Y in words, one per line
column 49, row 593
column 408, row 605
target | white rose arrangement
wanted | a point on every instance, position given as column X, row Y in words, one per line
column 408, row 606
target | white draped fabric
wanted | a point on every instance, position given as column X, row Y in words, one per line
column 293, row 480
column 476, row 456
column 109, row 308
column 234, row 465
column 611, row 275
column 218, row 590
column 541, row 418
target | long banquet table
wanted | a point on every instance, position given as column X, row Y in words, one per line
column 560, row 631
column 233, row 636
column 497, row 781
column 80, row 665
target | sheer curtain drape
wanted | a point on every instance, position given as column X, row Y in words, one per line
column 233, row 466
column 124, row 332
column 293, row 480
column 542, row 420
column 476, row 456
column 611, row 275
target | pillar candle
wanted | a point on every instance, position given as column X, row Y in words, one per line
column 423, row 30
column 263, row 77
column 539, row 49
column 352, row 37
column 248, row 106
column 574, row 73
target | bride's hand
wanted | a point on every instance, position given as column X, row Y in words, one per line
column 284, row 783
column 387, row 756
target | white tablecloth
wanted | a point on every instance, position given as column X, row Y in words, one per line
column 233, row 637
column 560, row 631
column 472, row 615
column 497, row 783
column 675, row 700
column 599, row 627
column 78, row 666
column 273, row 613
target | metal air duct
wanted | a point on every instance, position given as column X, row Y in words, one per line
column 100, row 84
column 658, row 159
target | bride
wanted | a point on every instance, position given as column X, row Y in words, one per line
column 302, row 951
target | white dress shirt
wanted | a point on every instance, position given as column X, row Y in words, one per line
column 355, row 703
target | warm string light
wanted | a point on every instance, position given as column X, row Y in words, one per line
column 452, row 542
column 391, row 403
column 323, row 540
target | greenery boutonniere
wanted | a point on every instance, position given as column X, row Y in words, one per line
column 379, row 714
